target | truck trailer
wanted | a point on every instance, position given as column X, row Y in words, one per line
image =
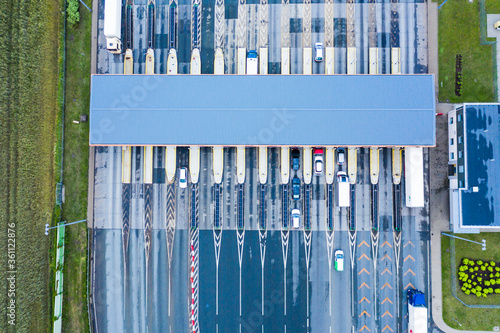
column 113, row 25
column 343, row 189
column 417, row 312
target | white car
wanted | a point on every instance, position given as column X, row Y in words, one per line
column 340, row 156
column 296, row 218
column 183, row 178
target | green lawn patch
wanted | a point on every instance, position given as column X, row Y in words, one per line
column 76, row 154
column 29, row 41
column 459, row 34
column 470, row 318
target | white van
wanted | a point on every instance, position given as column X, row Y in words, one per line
column 296, row 218
column 318, row 48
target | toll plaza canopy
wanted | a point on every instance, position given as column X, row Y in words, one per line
column 271, row 110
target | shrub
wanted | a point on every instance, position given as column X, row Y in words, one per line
column 478, row 288
column 497, row 291
column 497, row 274
column 497, row 269
column 471, row 269
column 480, row 279
column 476, row 268
column 465, row 261
column 483, row 268
column 479, row 262
column 471, row 263
column 487, row 283
column 469, row 281
column 490, row 269
column 474, row 283
column 467, row 292
column 492, row 263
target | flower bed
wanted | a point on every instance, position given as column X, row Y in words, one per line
column 479, row 278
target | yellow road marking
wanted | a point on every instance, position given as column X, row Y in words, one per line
column 386, row 270
column 409, row 271
column 364, row 284
column 387, row 327
column 364, row 299
column 387, row 313
column 363, row 242
column 408, row 285
column 364, row 312
column 386, row 284
column 410, row 257
column 386, row 256
column 386, row 243
column 362, row 328
column 364, row 269
column 363, row 255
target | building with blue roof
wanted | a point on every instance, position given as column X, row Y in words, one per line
column 474, row 167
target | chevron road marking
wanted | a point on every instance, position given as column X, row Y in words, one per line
column 408, row 242
column 386, row 256
column 408, row 285
column 364, row 255
column 386, row 270
column 387, row 327
column 364, row 327
column 364, row 312
column 364, row 299
column 365, row 285
column 387, row 313
column 363, row 242
column 386, row 243
column 364, row 269
column 409, row 271
column 386, row 284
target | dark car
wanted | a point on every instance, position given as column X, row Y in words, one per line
column 295, row 159
column 295, row 188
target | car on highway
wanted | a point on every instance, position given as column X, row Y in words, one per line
column 318, row 48
column 183, row 178
column 295, row 159
column 296, row 218
column 318, row 161
column 339, row 260
column 340, row 156
column 295, row 188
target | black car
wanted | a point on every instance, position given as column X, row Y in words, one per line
column 295, row 188
column 295, row 159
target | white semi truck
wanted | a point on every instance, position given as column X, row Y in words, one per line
column 417, row 312
column 343, row 189
column 252, row 62
column 113, row 25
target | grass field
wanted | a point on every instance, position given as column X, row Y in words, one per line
column 76, row 153
column 28, row 115
column 459, row 33
column 470, row 318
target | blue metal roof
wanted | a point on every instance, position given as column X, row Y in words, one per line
column 273, row 110
column 482, row 123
